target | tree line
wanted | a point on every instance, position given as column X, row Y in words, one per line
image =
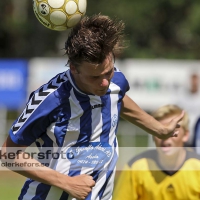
column 154, row 29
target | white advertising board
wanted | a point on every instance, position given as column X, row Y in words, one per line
column 41, row 70
column 154, row 83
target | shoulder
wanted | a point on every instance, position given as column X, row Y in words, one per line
column 56, row 82
column 191, row 154
column 52, row 87
column 118, row 74
column 120, row 80
column 143, row 157
column 48, row 97
column 192, row 162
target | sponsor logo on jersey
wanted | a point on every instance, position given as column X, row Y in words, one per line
column 97, row 106
column 114, row 120
column 170, row 188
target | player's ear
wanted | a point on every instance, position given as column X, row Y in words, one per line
column 73, row 69
column 186, row 136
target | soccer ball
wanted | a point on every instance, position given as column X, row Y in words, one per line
column 59, row 15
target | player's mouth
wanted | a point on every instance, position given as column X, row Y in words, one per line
column 165, row 147
column 103, row 90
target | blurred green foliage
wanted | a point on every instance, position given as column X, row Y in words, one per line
column 154, row 29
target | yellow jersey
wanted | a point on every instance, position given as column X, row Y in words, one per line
column 144, row 179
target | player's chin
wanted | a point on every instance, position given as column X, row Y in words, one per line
column 100, row 92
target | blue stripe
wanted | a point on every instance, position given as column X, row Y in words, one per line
column 95, row 175
column 41, row 191
column 89, row 196
column 106, row 117
column 108, row 174
column 115, row 142
column 85, row 119
column 63, row 118
column 60, row 132
column 25, row 188
column 64, row 196
column 48, row 142
column 196, row 133
column 74, row 172
column 120, row 95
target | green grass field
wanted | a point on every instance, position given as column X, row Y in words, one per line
column 10, row 185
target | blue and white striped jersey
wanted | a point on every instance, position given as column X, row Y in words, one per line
column 81, row 127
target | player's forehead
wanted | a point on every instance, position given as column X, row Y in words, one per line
column 98, row 69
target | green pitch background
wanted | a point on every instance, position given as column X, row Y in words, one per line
column 10, row 185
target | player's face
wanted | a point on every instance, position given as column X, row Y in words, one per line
column 92, row 78
column 171, row 145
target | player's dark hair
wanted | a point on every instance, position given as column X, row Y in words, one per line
column 93, row 38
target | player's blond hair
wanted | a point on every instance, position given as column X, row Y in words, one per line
column 171, row 110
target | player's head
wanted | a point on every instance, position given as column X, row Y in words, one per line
column 93, row 38
column 171, row 145
column 91, row 47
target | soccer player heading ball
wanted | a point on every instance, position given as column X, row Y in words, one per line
column 77, row 113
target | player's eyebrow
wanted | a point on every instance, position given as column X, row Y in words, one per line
column 109, row 72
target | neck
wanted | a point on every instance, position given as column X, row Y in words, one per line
column 172, row 162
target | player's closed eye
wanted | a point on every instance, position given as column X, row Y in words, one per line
column 107, row 74
column 110, row 72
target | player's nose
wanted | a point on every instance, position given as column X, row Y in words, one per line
column 104, row 83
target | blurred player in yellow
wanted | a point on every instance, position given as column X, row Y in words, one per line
column 169, row 172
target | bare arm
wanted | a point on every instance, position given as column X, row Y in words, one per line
column 131, row 112
column 78, row 186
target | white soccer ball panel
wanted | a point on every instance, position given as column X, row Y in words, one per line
column 82, row 4
column 74, row 20
column 71, row 7
column 58, row 18
column 56, row 3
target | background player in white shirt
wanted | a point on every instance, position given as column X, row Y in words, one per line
column 77, row 112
